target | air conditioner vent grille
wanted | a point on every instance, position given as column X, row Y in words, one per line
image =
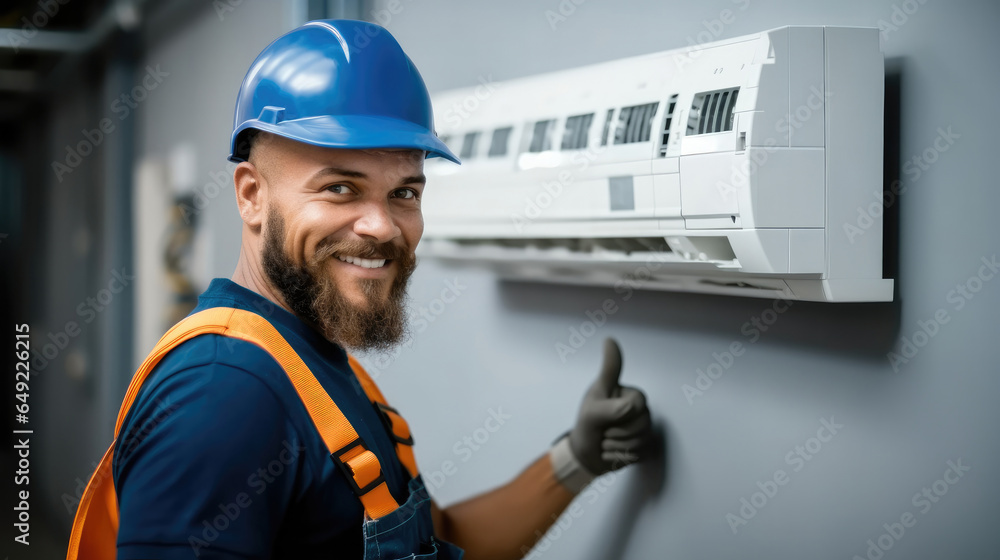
column 607, row 127
column 541, row 136
column 667, row 119
column 469, row 142
column 577, row 131
column 712, row 111
column 634, row 123
column 578, row 245
column 498, row 144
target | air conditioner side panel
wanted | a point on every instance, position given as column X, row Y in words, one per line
column 854, row 122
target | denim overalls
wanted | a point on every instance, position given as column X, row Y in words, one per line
column 407, row 532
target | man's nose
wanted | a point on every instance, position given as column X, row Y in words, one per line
column 376, row 222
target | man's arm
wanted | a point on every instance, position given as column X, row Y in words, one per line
column 613, row 429
column 504, row 523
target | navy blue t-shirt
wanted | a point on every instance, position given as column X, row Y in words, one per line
column 218, row 458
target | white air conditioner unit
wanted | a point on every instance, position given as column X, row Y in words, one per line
column 736, row 167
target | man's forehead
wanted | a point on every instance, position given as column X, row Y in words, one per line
column 325, row 155
column 275, row 141
column 403, row 152
column 392, row 164
column 406, row 159
column 278, row 157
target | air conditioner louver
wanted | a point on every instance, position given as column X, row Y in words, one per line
column 712, row 111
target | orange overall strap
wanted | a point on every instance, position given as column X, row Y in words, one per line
column 95, row 526
column 398, row 426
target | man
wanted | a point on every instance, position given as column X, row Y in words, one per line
column 226, row 447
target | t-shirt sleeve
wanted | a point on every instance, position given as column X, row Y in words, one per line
column 206, row 469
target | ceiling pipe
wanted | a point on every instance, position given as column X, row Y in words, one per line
column 122, row 14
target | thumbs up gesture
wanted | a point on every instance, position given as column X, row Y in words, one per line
column 613, row 427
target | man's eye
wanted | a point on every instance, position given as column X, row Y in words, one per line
column 407, row 193
column 339, row 189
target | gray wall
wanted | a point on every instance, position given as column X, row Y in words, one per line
column 495, row 345
column 207, row 55
column 492, row 350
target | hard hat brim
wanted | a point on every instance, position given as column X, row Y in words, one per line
column 351, row 132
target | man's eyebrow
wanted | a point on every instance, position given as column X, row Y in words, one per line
column 339, row 171
column 422, row 179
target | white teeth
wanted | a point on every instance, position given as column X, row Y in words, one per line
column 364, row 263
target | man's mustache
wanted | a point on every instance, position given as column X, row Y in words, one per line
column 357, row 248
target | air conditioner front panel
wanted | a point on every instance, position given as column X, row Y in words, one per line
column 746, row 156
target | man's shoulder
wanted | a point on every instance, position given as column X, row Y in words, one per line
column 216, row 349
column 210, row 367
column 209, row 381
column 208, row 374
column 204, row 423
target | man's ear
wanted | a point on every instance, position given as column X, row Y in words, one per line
column 248, row 183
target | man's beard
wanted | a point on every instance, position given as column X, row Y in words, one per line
column 313, row 295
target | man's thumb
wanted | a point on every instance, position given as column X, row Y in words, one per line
column 610, row 369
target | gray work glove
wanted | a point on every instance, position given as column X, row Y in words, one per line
column 613, row 427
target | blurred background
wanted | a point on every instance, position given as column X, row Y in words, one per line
column 116, row 210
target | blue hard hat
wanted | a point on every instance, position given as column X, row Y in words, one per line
column 337, row 84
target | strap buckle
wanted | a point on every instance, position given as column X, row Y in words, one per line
column 348, row 470
column 383, row 413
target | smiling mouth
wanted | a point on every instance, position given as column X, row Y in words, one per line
column 364, row 263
